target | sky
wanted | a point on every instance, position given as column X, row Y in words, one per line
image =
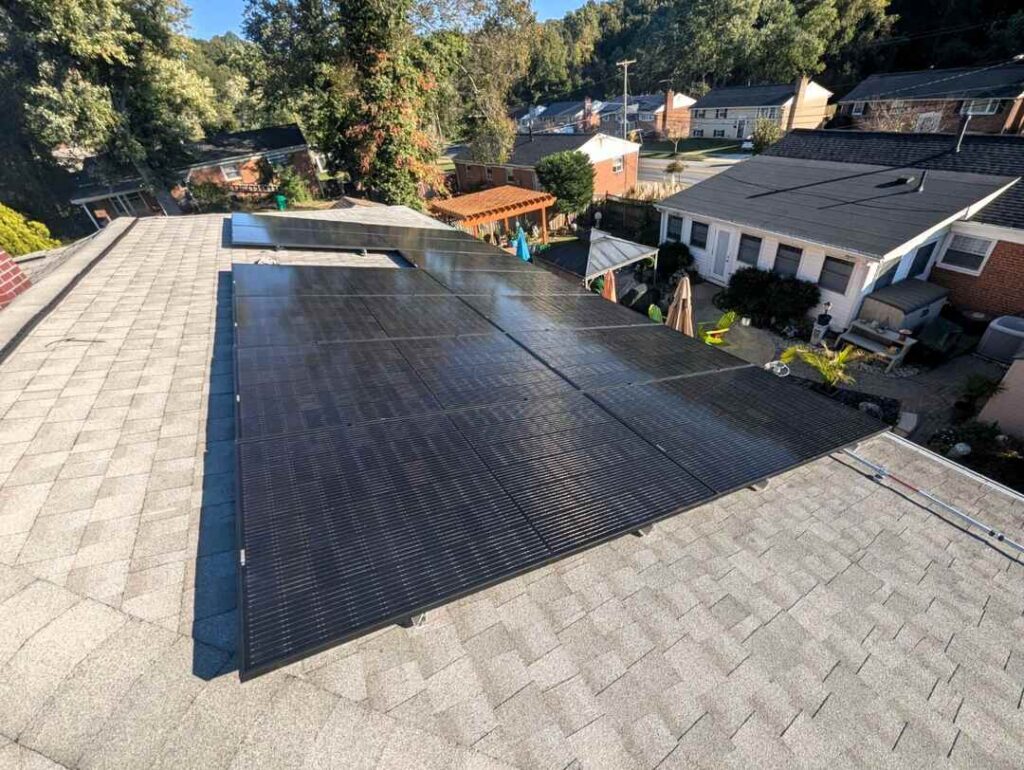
column 215, row 17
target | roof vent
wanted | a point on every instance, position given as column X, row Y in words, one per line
column 920, row 185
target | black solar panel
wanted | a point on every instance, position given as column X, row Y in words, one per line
column 733, row 427
column 400, row 445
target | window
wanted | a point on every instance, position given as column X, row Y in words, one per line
column 921, row 259
column 857, row 109
column 718, row 132
column 510, row 175
column 700, row 113
column 277, row 158
column 489, row 173
column 750, row 248
column 618, row 165
column 699, row 235
column 724, row 113
column 980, row 107
column 886, row 274
column 674, row 231
column 768, row 112
column 698, row 132
column 966, row 253
column 232, row 172
column 646, row 117
column 835, row 275
column 787, row 260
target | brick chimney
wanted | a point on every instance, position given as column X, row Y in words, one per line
column 667, row 112
column 799, row 94
column 588, row 113
column 12, row 280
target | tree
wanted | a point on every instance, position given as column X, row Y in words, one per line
column 675, row 167
column 100, row 77
column 568, row 176
column 766, row 133
column 676, row 135
column 19, row 235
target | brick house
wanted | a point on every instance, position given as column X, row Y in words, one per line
column 981, row 259
column 578, row 117
column 930, row 101
column 233, row 161
column 731, row 112
column 616, row 162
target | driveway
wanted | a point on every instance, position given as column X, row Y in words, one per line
column 654, row 169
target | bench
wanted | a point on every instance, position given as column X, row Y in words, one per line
column 878, row 341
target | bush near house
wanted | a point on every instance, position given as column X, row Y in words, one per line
column 19, row 235
column 210, row 197
column 569, row 176
column 768, row 299
column 671, row 257
column 292, row 185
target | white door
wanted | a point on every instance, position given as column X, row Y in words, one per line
column 720, row 257
column 741, row 129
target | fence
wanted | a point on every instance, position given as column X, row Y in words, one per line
column 626, row 218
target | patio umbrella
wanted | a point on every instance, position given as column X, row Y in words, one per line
column 680, row 312
column 608, row 290
column 522, row 247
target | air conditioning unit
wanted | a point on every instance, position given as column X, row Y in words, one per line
column 1003, row 339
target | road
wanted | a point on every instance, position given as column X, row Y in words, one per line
column 653, row 169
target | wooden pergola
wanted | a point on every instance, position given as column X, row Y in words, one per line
column 497, row 204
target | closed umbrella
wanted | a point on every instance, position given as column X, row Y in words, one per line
column 608, row 290
column 680, row 312
column 522, row 247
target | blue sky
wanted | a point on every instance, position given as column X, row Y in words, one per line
column 214, row 17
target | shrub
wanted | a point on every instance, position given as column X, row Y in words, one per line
column 766, row 133
column 672, row 256
column 828, row 363
column 292, row 185
column 569, row 176
column 19, row 235
column 210, row 197
column 765, row 297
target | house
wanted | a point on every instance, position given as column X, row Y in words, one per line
column 850, row 228
column 929, row 101
column 525, row 116
column 981, row 259
column 233, row 161
column 730, row 112
column 577, row 117
column 834, row 614
column 653, row 114
column 616, row 162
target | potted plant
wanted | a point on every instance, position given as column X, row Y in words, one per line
column 828, row 363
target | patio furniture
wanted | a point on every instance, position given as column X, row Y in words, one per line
column 886, row 343
column 716, row 335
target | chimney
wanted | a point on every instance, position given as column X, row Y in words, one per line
column 669, row 101
column 799, row 94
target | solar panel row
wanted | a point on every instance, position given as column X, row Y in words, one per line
column 410, row 436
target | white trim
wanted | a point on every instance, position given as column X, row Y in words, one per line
column 994, row 232
column 239, row 158
column 939, row 262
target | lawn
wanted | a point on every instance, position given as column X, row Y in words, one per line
column 688, row 148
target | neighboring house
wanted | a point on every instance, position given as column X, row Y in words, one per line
column 850, row 228
column 657, row 114
column 981, row 261
column 938, row 100
column 730, row 113
column 579, row 117
column 232, row 161
column 615, row 162
column 525, row 116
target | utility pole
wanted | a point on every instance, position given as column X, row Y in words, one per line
column 625, row 92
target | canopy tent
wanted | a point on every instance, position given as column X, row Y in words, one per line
column 496, row 204
column 610, row 253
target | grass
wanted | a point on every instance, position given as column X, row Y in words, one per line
column 692, row 148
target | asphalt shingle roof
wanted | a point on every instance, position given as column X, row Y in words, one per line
column 961, row 83
column 979, row 154
column 858, row 208
column 827, row 619
column 746, row 96
column 528, row 150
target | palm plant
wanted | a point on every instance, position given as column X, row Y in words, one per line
column 830, row 364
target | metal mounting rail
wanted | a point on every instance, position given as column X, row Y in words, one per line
column 881, row 472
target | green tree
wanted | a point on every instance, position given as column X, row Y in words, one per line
column 766, row 133
column 568, row 176
column 103, row 77
column 19, row 235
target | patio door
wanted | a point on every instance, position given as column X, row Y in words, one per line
column 720, row 256
column 741, row 129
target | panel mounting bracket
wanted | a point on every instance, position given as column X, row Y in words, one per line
column 414, row 621
column 643, row 531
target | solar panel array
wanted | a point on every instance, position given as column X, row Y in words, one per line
column 408, row 436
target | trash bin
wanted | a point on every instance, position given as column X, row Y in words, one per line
column 281, row 201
